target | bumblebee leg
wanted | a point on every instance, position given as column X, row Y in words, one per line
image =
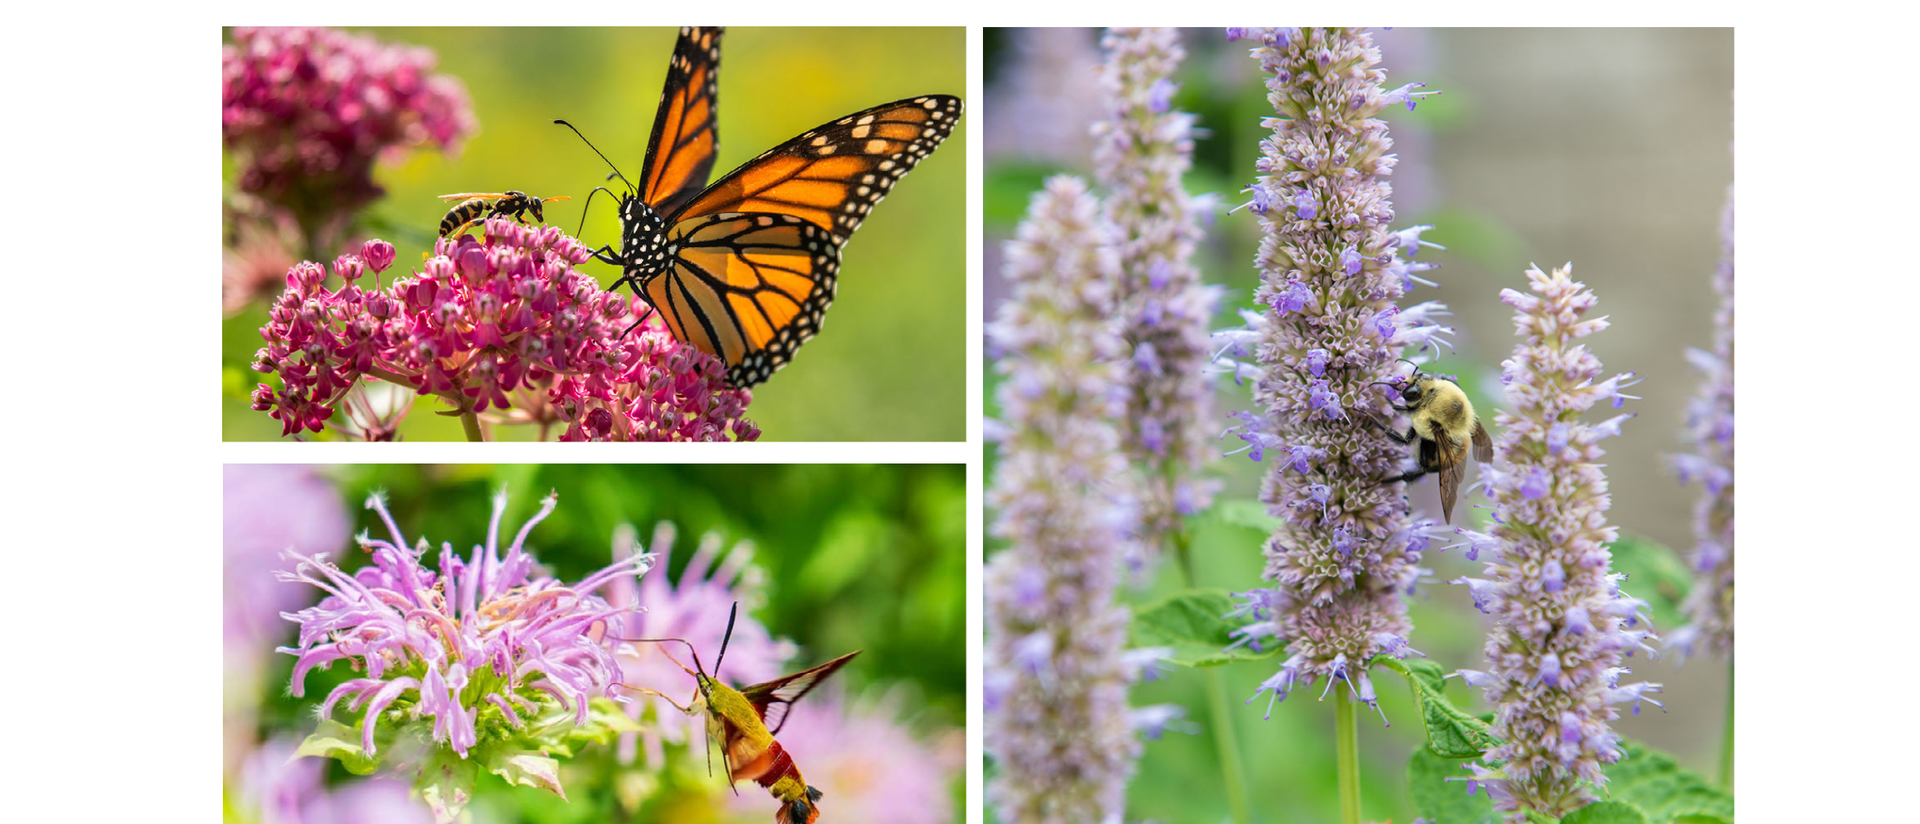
column 1409, row 477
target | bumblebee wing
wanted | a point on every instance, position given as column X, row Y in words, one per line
column 1450, row 489
column 1449, row 462
column 1482, row 443
column 774, row 697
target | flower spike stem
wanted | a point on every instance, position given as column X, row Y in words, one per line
column 1229, row 746
column 1224, row 739
column 1726, row 737
column 470, row 423
column 1347, row 755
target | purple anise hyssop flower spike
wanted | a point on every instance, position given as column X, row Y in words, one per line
column 1141, row 152
column 1332, row 273
column 1709, row 606
column 475, row 659
column 1563, row 627
column 504, row 324
column 1058, row 724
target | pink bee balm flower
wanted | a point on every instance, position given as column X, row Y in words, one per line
column 478, row 660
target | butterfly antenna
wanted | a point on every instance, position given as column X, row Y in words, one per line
column 587, row 205
column 583, row 139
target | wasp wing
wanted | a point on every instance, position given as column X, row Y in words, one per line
column 686, row 134
column 773, row 698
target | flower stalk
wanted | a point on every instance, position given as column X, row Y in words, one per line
column 1563, row 628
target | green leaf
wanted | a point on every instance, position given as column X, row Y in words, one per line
column 1247, row 513
column 1656, row 574
column 1654, row 782
column 446, row 784
column 1606, row 812
column 528, row 769
column 1193, row 624
column 1438, row 800
column 339, row 741
column 1451, row 732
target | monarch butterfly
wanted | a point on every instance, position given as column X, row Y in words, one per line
column 475, row 205
column 744, row 269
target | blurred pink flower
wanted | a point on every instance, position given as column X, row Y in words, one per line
column 694, row 607
column 266, row 508
column 275, row 787
column 307, row 111
column 866, row 764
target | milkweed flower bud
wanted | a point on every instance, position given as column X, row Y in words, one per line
column 1058, row 725
column 1562, row 625
column 1331, row 278
column 1709, row 606
column 1141, row 152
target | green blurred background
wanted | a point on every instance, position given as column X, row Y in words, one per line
column 849, row 557
column 1606, row 147
column 890, row 362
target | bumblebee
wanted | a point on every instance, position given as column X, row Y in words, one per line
column 476, row 206
column 1443, row 425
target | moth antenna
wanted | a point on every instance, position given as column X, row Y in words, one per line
column 583, row 139
column 731, row 614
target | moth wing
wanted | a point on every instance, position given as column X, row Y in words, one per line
column 1482, row 443
column 774, row 697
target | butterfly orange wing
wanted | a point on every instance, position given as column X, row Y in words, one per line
column 686, row 136
column 832, row 175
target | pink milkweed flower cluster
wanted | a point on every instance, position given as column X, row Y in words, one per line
column 482, row 657
column 307, row 111
column 1563, row 627
column 1332, row 273
column 1058, row 725
column 695, row 609
column 1142, row 150
column 1709, row 606
column 506, row 324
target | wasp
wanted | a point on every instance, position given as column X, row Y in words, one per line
column 476, row 206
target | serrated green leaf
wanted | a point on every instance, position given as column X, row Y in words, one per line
column 1245, row 512
column 1192, row 623
column 1654, row 782
column 1451, row 732
column 1438, row 800
column 1655, row 574
column 1606, row 812
column 338, row 741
